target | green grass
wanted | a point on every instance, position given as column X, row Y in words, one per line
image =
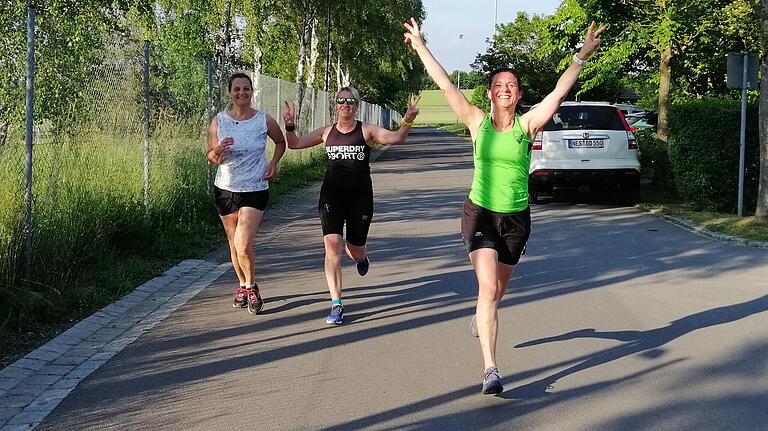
column 92, row 241
column 434, row 108
column 752, row 228
column 459, row 129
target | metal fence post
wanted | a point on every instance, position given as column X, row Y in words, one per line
column 278, row 96
column 29, row 130
column 146, row 129
column 209, row 112
column 314, row 108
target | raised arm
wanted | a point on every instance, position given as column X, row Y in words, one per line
column 388, row 137
column 296, row 142
column 537, row 117
column 469, row 114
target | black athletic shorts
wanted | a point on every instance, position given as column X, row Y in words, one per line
column 507, row 233
column 351, row 207
column 228, row 202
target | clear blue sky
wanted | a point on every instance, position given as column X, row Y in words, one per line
column 446, row 19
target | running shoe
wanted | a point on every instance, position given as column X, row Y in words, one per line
column 363, row 265
column 473, row 326
column 254, row 300
column 492, row 381
column 240, row 298
column 336, row 316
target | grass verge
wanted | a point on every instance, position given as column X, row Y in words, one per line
column 128, row 261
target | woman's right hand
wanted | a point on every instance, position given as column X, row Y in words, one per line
column 289, row 116
column 413, row 34
column 223, row 146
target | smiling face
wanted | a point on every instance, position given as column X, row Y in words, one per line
column 505, row 90
column 240, row 92
column 346, row 110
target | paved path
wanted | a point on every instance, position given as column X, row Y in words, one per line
column 616, row 320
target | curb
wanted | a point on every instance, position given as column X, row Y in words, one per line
column 34, row 385
column 708, row 233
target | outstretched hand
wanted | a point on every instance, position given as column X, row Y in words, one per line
column 591, row 41
column 413, row 34
column 289, row 116
column 413, row 110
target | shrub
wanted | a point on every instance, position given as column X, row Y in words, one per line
column 480, row 98
column 654, row 160
column 704, row 153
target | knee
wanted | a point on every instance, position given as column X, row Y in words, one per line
column 333, row 246
column 243, row 248
column 488, row 292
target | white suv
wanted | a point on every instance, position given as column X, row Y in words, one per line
column 586, row 145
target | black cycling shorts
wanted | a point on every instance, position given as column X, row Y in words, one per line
column 227, row 202
column 507, row 233
column 355, row 209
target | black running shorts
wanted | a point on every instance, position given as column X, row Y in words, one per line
column 507, row 233
column 228, row 202
column 355, row 209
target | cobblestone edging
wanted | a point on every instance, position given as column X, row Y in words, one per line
column 33, row 386
column 708, row 233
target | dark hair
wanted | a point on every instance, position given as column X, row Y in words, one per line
column 238, row 75
column 503, row 69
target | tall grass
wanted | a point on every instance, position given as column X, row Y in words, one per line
column 93, row 239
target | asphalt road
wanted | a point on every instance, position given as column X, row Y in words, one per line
column 615, row 320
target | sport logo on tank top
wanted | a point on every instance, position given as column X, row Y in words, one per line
column 345, row 152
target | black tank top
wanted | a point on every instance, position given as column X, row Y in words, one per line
column 349, row 157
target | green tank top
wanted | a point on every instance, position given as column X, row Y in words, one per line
column 502, row 160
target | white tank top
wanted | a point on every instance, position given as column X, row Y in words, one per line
column 243, row 166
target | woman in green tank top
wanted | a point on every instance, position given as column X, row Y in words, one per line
column 496, row 218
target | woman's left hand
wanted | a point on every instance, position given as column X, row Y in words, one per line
column 591, row 41
column 413, row 110
column 271, row 172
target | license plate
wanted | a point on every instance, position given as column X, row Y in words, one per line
column 586, row 143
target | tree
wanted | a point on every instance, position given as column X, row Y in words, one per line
column 762, row 195
column 664, row 41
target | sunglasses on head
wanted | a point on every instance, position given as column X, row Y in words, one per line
column 347, row 100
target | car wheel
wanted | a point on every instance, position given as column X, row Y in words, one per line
column 631, row 195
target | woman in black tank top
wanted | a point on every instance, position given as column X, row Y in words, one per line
column 346, row 196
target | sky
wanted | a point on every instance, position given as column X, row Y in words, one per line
column 447, row 19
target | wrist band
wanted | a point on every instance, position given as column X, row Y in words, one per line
column 406, row 123
column 290, row 127
column 579, row 61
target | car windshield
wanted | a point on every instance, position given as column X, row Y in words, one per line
column 581, row 117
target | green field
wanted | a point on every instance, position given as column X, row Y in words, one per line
column 434, row 109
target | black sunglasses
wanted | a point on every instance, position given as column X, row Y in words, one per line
column 347, row 100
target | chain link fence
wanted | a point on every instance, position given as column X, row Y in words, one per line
column 120, row 162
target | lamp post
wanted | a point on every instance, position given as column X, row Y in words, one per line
column 458, row 66
column 495, row 15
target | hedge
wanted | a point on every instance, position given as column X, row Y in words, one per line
column 704, row 153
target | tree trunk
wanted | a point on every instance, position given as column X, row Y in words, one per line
column 300, row 68
column 665, row 76
column 762, row 194
column 257, row 56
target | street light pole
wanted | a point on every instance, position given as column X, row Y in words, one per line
column 458, row 66
column 495, row 15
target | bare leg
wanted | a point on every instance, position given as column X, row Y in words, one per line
column 333, row 244
column 356, row 252
column 247, row 225
column 230, row 226
column 492, row 280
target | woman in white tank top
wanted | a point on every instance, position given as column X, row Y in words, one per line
column 237, row 143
